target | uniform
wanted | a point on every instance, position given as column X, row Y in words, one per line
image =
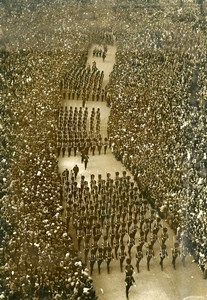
column 175, row 253
column 149, row 254
column 92, row 260
column 163, row 254
column 75, row 170
column 99, row 259
column 139, row 256
column 129, row 280
column 122, row 256
column 109, row 257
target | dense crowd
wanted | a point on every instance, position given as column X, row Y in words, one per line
column 38, row 258
column 157, row 126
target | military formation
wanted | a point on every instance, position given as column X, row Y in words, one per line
column 112, row 221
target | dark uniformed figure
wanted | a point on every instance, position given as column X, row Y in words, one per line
column 79, row 236
column 76, row 170
column 83, row 154
column 112, row 234
column 65, row 174
column 139, row 256
column 163, row 254
column 128, row 266
column 122, row 232
column 122, row 256
column 146, row 229
column 105, row 145
column 105, row 246
column 92, row 260
column 116, row 244
column 99, row 259
column 109, row 257
column 107, row 225
column 164, row 235
column 129, row 281
column 82, row 182
column 86, row 161
column 104, row 55
column 153, row 237
column 131, row 243
column 88, row 232
column 93, row 147
column 63, row 148
column 86, row 251
column 70, row 146
column 75, row 148
column 149, row 254
column 175, row 253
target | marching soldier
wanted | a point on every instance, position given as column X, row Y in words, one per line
column 79, row 236
column 64, row 144
column 146, row 228
column 164, row 235
column 88, row 233
column 163, row 254
column 131, row 243
column 128, row 266
column 99, row 146
column 92, row 260
column 149, row 254
column 86, row 250
column 122, row 232
column 129, row 281
column 139, row 256
column 105, row 145
column 99, row 259
column 76, row 170
column 86, row 158
column 112, row 234
column 70, row 146
column 109, row 257
column 105, row 246
column 175, row 253
column 122, row 256
column 94, row 245
column 104, row 55
column 116, row 244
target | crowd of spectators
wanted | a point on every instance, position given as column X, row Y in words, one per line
column 157, row 126
column 38, row 258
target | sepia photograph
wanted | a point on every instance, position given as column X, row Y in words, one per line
column 103, row 153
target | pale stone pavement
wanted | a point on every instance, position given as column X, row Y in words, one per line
column 182, row 283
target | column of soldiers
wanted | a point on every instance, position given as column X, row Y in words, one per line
column 100, row 52
column 83, row 83
column 103, row 36
column 77, row 132
column 111, row 219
